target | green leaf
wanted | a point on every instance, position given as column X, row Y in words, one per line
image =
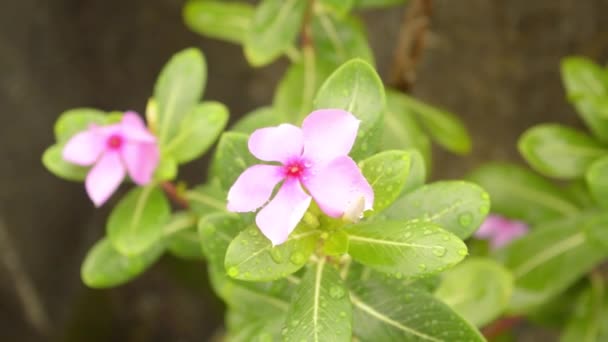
column 404, row 249
column 293, row 97
column 586, row 84
column 336, row 243
column 53, row 161
column 597, row 179
column 444, row 127
column 550, row 259
column 356, row 88
column 252, row 257
column 378, row 3
column 198, row 130
column 166, row 169
column 216, row 232
column 521, row 194
column 488, row 289
column 417, row 174
column 320, row 308
column 387, row 173
column 181, row 236
column 207, row 198
column 337, row 7
column 259, row 118
column 457, row 206
column 386, row 312
column 218, row 19
column 559, row 151
column 273, row 30
column 105, row 267
column 178, row 89
column 401, row 130
column 77, row 120
column 589, row 321
column 136, row 223
column 249, row 328
column 231, row 158
column 339, row 40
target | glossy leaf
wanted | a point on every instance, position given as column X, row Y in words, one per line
column 320, row 308
column 519, row 193
column 218, row 19
column 178, row 89
column 387, row 173
column 338, row 40
column 444, row 127
column 478, row 289
column 105, row 267
column 166, row 169
column 252, row 257
column 417, row 174
column 457, row 206
column 273, row 30
column 597, row 179
column 337, row 7
column 207, row 198
column 181, row 236
column 550, row 259
column 401, row 128
column 136, row 223
column 231, row 158
column 404, row 249
column 385, row 312
column 197, row 132
column 216, row 232
column 53, row 161
column 336, row 244
column 356, row 88
column 258, row 118
column 253, row 328
column 559, row 151
column 76, row 120
column 586, row 84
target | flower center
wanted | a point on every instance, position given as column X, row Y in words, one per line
column 114, row 142
column 295, row 168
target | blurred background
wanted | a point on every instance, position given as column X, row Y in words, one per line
column 494, row 63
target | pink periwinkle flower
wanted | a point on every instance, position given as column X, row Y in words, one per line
column 500, row 231
column 114, row 151
column 314, row 164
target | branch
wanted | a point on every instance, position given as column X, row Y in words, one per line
column 306, row 39
column 500, row 326
column 411, row 43
column 33, row 307
column 174, row 195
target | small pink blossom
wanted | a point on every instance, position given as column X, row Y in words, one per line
column 500, row 231
column 315, row 158
column 114, row 151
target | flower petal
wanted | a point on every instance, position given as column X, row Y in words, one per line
column 104, row 178
column 84, row 148
column 253, row 188
column 338, row 186
column 328, row 134
column 134, row 128
column 491, row 226
column 281, row 216
column 141, row 160
column 279, row 143
column 514, row 231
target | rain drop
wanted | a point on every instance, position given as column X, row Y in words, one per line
column 276, row 255
column 427, row 232
column 465, row 219
column 463, row 252
column 422, row 267
column 439, row 251
column 233, row 272
column 253, row 232
column 297, row 258
column 407, row 235
column 336, row 292
column 342, row 314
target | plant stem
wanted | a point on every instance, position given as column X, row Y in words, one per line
column 306, row 34
column 411, row 43
column 500, row 326
column 174, row 195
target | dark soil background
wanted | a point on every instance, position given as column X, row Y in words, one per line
column 494, row 63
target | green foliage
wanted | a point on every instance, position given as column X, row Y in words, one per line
column 339, row 40
column 273, row 29
column 105, row 267
column 231, row 158
column 177, row 91
column 337, row 7
column 258, row 118
column 387, row 173
column 521, row 194
column 479, row 289
column 136, row 223
column 228, row 21
column 378, row 3
column 559, row 151
column 52, row 159
column 356, row 88
column 320, row 308
column 181, row 236
column 404, row 249
column 77, row 120
column 589, row 321
column 597, row 180
column 457, row 206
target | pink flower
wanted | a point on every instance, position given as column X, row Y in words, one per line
column 114, row 150
column 314, row 157
column 500, row 231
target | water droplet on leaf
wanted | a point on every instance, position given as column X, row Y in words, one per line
column 336, row 292
column 465, row 219
column 233, row 272
column 439, row 251
column 276, row 255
